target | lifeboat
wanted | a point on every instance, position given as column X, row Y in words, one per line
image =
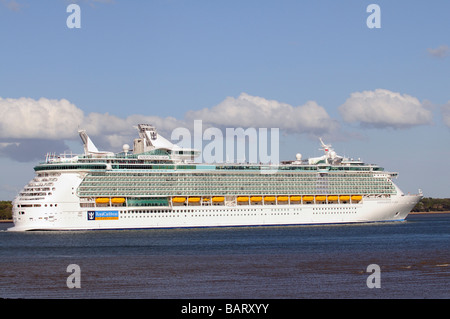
column 193, row 199
column 333, row 198
column 242, row 199
column 118, row 200
column 217, row 199
column 102, row 200
column 206, row 199
column 256, row 198
column 308, row 198
column 344, row 198
column 321, row 198
column 269, row 198
column 282, row 198
column 356, row 198
column 296, row 198
column 178, row 199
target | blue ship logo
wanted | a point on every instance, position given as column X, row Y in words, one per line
column 91, row 215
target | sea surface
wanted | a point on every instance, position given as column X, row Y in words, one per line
column 292, row 262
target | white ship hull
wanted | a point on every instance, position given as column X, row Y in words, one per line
column 69, row 216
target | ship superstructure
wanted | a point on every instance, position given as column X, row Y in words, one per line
column 157, row 184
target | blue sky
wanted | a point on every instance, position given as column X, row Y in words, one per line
column 310, row 68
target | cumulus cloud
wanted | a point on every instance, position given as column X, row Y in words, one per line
column 446, row 114
column 254, row 111
column 440, row 52
column 43, row 118
column 26, row 119
column 383, row 108
column 29, row 127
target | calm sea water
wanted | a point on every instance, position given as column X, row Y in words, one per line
column 253, row 262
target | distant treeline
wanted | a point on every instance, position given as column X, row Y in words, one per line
column 5, row 210
column 426, row 204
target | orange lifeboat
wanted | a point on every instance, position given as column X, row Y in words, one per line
column 102, row 200
column 118, row 200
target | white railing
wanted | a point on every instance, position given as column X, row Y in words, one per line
column 64, row 157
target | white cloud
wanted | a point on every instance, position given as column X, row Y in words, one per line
column 446, row 114
column 383, row 108
column 43, row 118
column 254, row 111
column 49, row 121
column 58, row 119
column 440, row 52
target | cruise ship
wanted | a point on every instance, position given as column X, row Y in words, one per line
column 158, row 184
